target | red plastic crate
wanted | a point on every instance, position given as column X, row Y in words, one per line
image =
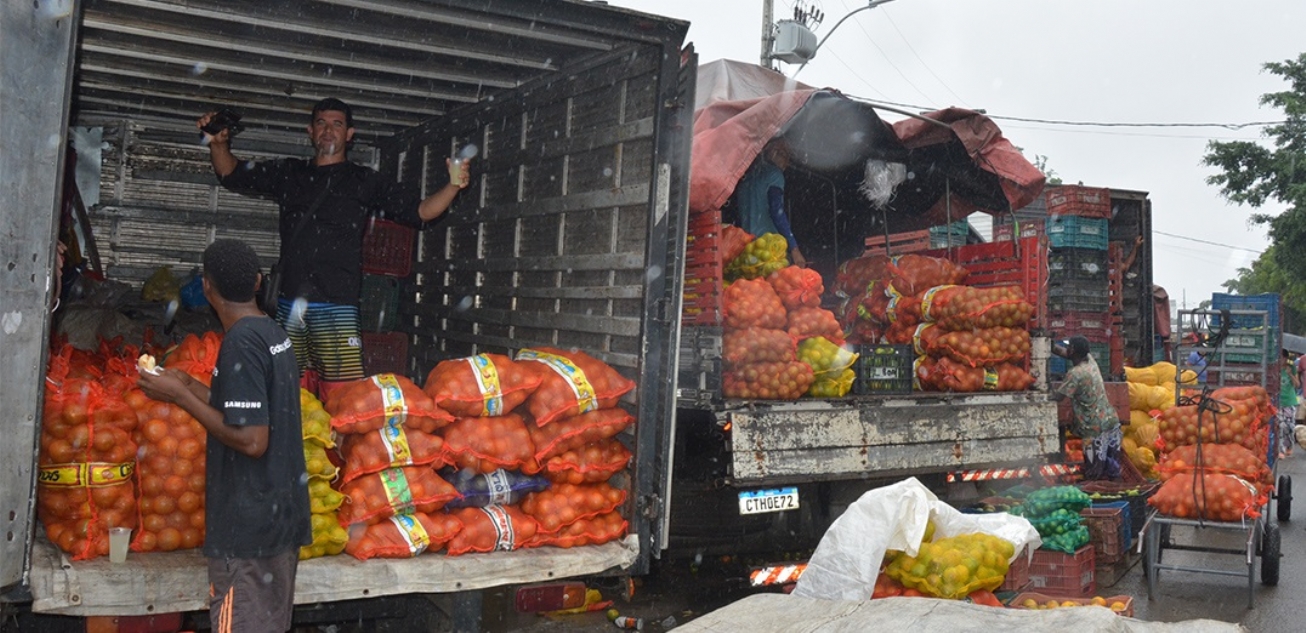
column 1078, row 322
column 1063, row 574
column 703, row 289
column 388, row 248
column 1016, row 263
column 385, row 353
column 1087, row 202
column 899, row 243
column 1104, row 527
column 1018, row 574
column 1002, row 229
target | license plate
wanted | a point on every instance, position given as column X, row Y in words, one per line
column 773, row 500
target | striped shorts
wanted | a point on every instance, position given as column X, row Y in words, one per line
column 327, row 338
column 252, row 595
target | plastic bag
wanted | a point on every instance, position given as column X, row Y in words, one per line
column 484, row 385
column 577, row 431
column 492, row 529
column 757, row 345
column 485, row 445
column 403, row 536
column 572, row 383
column 753, row 303
column 365, row 405
column 825, row 357
column 501, row 487
column 797, row 287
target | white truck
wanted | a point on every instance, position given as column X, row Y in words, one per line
column 572, row 234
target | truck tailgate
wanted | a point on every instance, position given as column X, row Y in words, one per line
column 838, row 439
column 178, row 581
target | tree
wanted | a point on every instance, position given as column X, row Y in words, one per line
column 1254, row 174
column 1265, row 275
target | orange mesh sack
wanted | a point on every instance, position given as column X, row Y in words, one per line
column 574, row 432
column 566, row 503
column 365, row 405
column 591, row 531
column 379, row 496
column 1231, row 459
column 1236, row 422
column 488, row 444
column 945, row 374
column 812, row 322
column 1209, row 496
column 85, row 472
column 733, row 242
column 591, row 463
column 768, row 381
column 797, row 287
column 391, row 446
column 914, row 274
column 854, row 276
column 753, row 303
column 170, row 466
column 573, row 383
column 960, row 308
column 492, row 529
column 756, row 345
column 484, row 385
column 980, row 348
column 403, row 536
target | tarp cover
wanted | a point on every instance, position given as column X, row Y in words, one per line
column 741, row 106
column 793, row 614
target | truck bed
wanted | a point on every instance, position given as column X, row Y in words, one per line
column 178, row 581
column 830, row 439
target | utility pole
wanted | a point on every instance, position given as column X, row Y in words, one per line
column 768, row 16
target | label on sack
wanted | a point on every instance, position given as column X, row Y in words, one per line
column 86, row 474
column 586, row 401
column 396, row 443
column 487, row 380
column 990, row 379
column 413, row 533
column 499, row 486
column 502, row 527
column 392, row 398
column 927, row 301
column 918, row 345
column 397, row 492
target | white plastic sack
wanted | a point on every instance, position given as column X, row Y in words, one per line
column 848, row 559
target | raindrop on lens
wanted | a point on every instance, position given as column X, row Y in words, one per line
column 199, row 68
column 464, row 304
column 654, row 272
column 607, row 172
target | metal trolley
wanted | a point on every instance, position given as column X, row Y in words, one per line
column 1234, row 347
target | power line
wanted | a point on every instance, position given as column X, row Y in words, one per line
column 885, row 12
column 886, row 58
column 1193, row 239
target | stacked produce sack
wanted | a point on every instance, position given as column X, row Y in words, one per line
column 1214, row 458
column 171, row 457
column 1054, row 512
column 778, row 342
column 329, row 537
column 573, row 424
column 86, row 460
column 966, row 338
column 392, row 493
column 1151, row 391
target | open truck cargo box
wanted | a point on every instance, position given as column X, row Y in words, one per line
column 581, row 116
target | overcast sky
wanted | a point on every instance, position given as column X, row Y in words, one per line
column 1124, row 61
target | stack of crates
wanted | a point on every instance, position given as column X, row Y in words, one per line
column 387, row 259
column 949, row 235
column 1260, row 338
column 1080, row 300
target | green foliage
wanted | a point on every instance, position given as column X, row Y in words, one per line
column 1255, row 173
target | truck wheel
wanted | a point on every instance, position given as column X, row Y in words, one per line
column 1270, row 555
column 1285, row 498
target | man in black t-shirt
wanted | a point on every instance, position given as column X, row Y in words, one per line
column 326, row 204
column 256, row 495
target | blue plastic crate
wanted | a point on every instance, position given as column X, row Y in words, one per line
column 1268, row 303
column 1070, row 231
column 1101, row 353
column 1126, row 523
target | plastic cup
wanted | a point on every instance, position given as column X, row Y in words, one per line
column 119, row 539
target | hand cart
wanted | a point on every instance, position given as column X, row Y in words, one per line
column 1239, row 349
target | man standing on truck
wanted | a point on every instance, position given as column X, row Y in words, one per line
column 1093, row 418
column 327, row 204
column 760, row 197
column 256, row 508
